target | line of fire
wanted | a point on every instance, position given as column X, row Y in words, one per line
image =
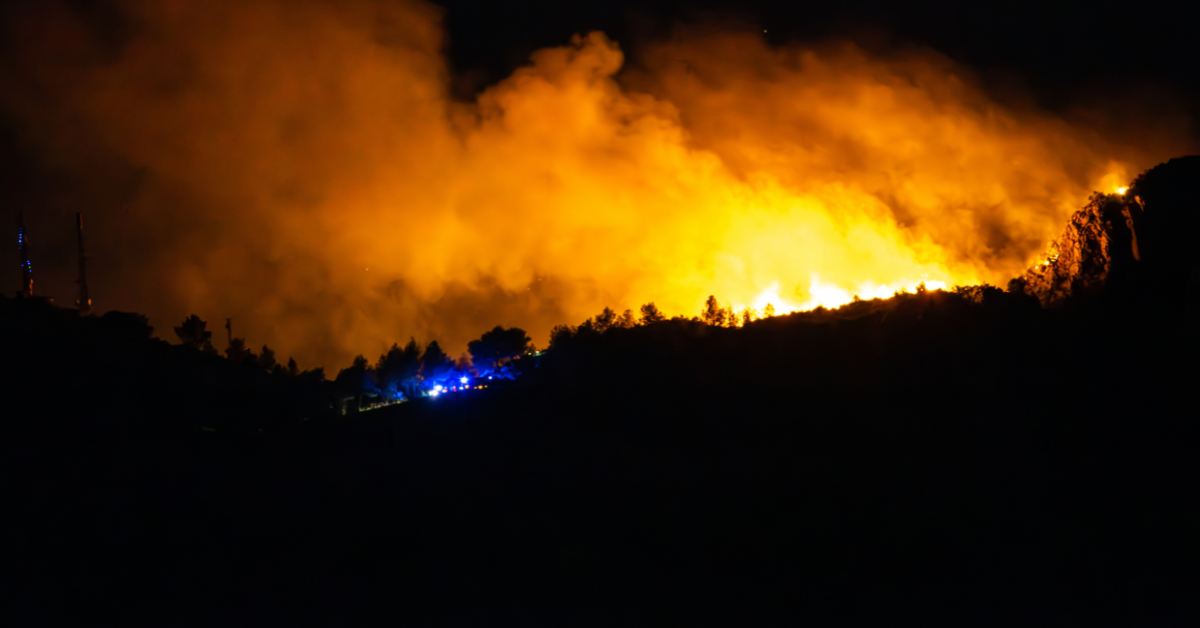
column 1098, row 249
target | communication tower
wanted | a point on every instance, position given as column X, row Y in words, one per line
column 23, row 250
column 84, row 303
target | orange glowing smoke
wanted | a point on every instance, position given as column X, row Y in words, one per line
column 306, row 172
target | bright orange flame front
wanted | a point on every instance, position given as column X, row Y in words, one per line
column 297, row 145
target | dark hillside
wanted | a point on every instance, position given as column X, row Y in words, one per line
column 963, row 457
column 82, row 377
column 942, row 458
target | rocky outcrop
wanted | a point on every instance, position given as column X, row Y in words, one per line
column 1146, row 235
column 1098, row 245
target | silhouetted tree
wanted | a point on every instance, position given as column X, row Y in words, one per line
column 627, row 320
column 436, row 366
column 651, row 314
column 354, row 374
column 352, row 382
column 712, row 314
column 606, row 320
column 498, row 346
column 316, row 375
column 359, row 366
column 433, row 356
column 730, row 318
column 560, row 334
column 237, row 351
column 266, row 359
column 463, row 363
column 292, row 368
column 769, row 310
column 977, row 294
column 585, row 329
column 192, row 334
column 747, row 316
column 397, row 370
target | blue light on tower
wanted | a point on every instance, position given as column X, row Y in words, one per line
column 26, row 266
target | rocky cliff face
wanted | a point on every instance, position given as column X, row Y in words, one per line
column 1147, row 235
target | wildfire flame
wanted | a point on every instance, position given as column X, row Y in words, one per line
column 290, row 146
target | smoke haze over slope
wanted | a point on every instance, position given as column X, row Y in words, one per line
column 302, row 168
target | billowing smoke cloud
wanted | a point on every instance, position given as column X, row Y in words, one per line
column 301, row 167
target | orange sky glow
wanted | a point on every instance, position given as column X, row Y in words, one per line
column 303, row 169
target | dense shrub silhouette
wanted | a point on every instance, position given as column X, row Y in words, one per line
column 499, row 345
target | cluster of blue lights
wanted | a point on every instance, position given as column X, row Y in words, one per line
column 464, row 385
column 25, row 263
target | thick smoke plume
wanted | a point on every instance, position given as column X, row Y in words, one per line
column 302, row 168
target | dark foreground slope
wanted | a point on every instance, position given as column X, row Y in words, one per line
column 937, row 457
column 939, row 460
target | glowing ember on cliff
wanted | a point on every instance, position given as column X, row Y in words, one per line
column 285, row 148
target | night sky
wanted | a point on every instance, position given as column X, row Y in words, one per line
column 1063, row 52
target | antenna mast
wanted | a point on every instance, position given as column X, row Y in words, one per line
column 23, row 250
column 84, row 303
